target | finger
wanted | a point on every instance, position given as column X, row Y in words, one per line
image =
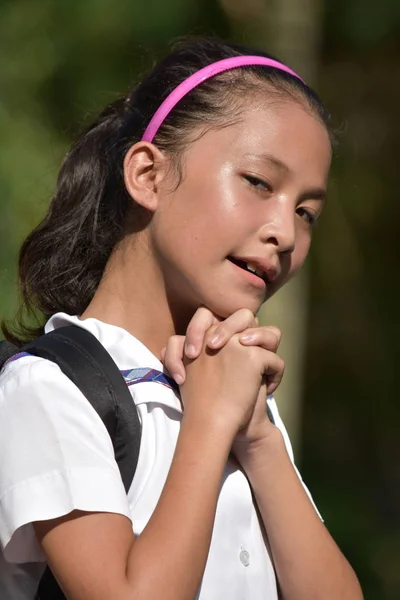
column 173, row 358
column 265, row 337
column 277, row 332
column 274, row 368
column 199, row 324
column 239, row 321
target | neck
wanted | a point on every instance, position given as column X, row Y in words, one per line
column 132, row 295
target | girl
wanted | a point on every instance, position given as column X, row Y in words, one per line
column 182, row 209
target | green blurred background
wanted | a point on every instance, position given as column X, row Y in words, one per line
column 60, row 62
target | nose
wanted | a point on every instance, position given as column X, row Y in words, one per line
column 279, row 227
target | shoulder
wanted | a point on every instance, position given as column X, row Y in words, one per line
column 55, row 455
column 29, row 381
column 32, row 382
column 26, row 369
column 38, row 402
column 41, row 409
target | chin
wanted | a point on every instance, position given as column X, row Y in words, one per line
column 224, row 308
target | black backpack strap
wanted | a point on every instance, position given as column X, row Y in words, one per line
column 86, row 363
column 83, row 359
column 7, row 350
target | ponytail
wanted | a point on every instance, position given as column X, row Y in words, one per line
column 62, row 261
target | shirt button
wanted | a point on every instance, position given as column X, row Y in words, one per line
column 244, row 557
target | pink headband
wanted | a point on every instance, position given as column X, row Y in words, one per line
column 202, row 75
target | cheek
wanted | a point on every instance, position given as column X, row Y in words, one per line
column 201, row 216
column 184, row 234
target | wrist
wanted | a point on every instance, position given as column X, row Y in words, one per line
column 212, row 429
column 261, row 452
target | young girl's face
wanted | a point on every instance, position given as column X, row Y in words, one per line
column 250, row 193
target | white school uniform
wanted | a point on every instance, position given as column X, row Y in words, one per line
column 56, row 456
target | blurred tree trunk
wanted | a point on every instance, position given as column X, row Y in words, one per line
column 291, row 30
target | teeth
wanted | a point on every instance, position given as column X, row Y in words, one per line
column 251, row 267
column 254, row 269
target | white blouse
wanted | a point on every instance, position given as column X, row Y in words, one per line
column 56, row 456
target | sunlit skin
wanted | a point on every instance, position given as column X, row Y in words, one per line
column 251, row 190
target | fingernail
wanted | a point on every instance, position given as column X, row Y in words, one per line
column 214, row 340
column 190, row 351
column 247, row 338
column 178, row 378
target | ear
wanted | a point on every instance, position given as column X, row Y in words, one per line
column 144, row 169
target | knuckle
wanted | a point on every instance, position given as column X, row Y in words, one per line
column 201, row 318
column 174, row 344
column 209, row 332
column 277, row 332
column 273, row 335
column 192, row 328
column 202, row 313
column 170, row 343
column 247, row 315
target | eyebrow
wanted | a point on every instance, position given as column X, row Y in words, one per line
column 270, row 159
column 312, row 194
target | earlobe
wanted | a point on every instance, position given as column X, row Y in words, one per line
column 143, row 171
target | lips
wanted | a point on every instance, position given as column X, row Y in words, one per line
column 263, row 268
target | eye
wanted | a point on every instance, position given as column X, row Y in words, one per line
column 257, row 183
column 307, row 215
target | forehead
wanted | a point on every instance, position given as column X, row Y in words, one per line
column 285, row 131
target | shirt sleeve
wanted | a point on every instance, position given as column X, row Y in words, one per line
column 56, row 456
column 271, row 403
